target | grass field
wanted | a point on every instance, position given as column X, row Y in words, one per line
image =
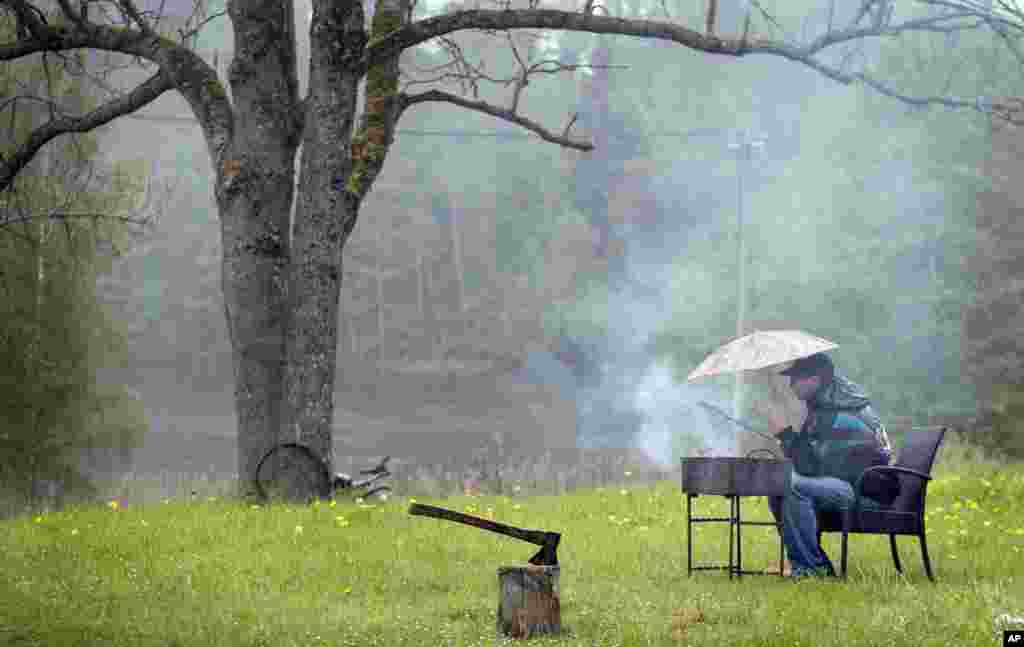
column 216, row 571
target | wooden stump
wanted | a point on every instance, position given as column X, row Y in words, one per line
column 528, row 603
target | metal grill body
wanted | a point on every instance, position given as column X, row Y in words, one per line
column 733, row 478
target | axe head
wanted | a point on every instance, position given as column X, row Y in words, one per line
column 548, row 554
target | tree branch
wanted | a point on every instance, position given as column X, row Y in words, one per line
column 423, row 30
column 137, row 98
column 767, row 16
column 998, row 24
column 101, row 37
column 75, row 16
column 129, row 8
column 957, row 19
column 982, row 11
column 180, row 69
column 30, row 20
column 1006, row 108
column 501, row 113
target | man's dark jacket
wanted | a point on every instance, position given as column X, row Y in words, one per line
column 841, row 437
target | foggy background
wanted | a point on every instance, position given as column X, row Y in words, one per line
column 499, row 287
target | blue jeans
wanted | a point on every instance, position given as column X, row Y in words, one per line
column 800, row 525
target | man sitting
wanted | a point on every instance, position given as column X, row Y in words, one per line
column 840, row 438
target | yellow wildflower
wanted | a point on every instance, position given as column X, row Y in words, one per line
column 39, row 520
column 114, row 505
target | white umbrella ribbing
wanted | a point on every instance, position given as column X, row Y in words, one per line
column 759, row 349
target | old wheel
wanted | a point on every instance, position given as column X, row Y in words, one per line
column 293, row 473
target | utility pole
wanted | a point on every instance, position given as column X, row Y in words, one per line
column 744, row 147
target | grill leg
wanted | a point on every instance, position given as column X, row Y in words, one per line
column 846, row 538
column 732, row 526
column 739, row 542
column 689, row 536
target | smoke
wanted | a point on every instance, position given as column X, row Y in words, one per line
column 627, row 396
column 671, row 417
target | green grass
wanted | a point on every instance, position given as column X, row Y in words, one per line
column 215, row 571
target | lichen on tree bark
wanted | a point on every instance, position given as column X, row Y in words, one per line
column 370, row 145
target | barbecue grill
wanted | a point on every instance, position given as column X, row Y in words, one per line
column 734, row 478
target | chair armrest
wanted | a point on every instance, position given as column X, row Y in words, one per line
column 888, row 468
column 882, row 468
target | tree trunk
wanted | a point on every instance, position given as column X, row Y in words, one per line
column 254, row 199
column 529, row 603
column 334, row 178
column 324, row 217
column 282, row 282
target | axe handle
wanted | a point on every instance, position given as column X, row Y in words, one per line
column 537, row 537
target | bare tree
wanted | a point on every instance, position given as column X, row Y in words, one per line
column 281, row 279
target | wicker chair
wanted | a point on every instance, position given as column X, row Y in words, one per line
column 906, row 514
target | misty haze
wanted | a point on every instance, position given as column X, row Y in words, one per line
column 316, row 312
column 500, row 292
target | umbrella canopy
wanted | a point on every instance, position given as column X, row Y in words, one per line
column 759, row 349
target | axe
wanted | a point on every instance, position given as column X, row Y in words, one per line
column 548, row 541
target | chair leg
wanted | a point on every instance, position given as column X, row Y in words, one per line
column 895, row 555
column 924, row 554
column 842, row 559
